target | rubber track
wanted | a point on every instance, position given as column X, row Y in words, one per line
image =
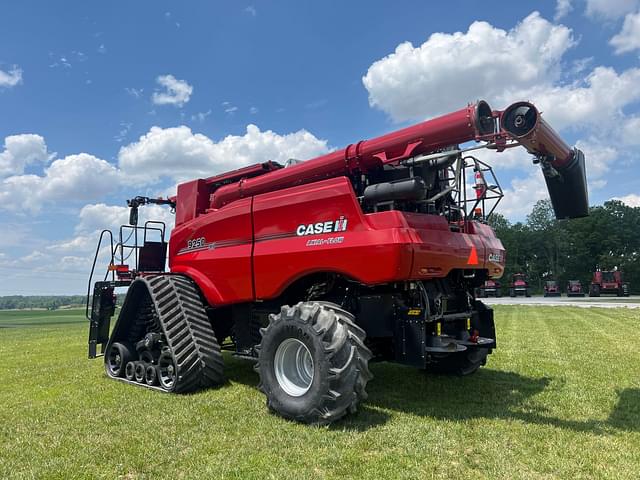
column 187, row 332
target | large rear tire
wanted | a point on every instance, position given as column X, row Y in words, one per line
column 313, row 363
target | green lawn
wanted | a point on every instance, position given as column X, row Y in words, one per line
column 560, row 398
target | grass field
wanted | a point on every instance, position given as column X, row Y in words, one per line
column 560, row 398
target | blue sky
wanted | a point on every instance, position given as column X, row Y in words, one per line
column 103, row 101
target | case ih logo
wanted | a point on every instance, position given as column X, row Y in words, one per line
column 495, row 257
column 339, row 225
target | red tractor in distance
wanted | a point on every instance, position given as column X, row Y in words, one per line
column 313, row 270
column 551, row 289
column 519, row 285
column 574, row 288
column 490, row 288
column 608, row 282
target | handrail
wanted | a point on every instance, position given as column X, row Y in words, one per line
column 93, row 266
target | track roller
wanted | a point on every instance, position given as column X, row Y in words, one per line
column 151, row 375
column 130, row 371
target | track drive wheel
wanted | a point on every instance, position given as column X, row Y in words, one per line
column 313, row 363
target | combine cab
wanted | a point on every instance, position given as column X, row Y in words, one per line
column 608, row 282
column 490, row 288
column 574, row 288
column 371, row 252
column 551, row 289
column 519, row 285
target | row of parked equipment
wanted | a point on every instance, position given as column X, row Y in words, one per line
column 603, row 282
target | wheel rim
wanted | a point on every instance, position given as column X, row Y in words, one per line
column 140, row 372
column 151, row 375
column 130, row 370
column 167, row 371
column 114, row 362
column 293, row 367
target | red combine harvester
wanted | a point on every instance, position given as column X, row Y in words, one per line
column 519, row 285
column 574, row 288
column 551, row 289
column 608, row 282
column 372, row 252
column 490, row 288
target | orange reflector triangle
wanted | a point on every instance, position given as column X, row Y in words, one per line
column 473, row 257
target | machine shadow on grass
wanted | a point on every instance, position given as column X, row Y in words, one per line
column 489, row 394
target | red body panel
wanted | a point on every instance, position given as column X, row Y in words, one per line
column 221, row 263
column 217, row 250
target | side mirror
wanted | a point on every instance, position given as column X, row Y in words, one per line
column 133, row 215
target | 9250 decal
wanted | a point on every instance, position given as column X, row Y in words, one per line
column 196, row 243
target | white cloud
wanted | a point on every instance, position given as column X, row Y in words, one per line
column 20, row 151
column 72, row 179
column 10, row 78
column 598, row 158
column 134, row 92
column 597, row 101
column 201, row 116
column 628, row 39
column 251, row 10
column 175, row 154
column 125, row 128
column 630, row 133
column 417, row 82
column 480, row 64
column 96, row 217
column 177, row 92
column 633, row 200
column 610, row 9
column 78, row 250
column 178, row 153
column 563, row 7
column 522, row 194
column 511, row 158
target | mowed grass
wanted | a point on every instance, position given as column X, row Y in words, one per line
column 560, row 398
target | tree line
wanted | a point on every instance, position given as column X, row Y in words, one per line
column 48, row 302
column 548, row 249
column 542, row 247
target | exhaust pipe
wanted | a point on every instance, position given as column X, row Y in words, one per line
column 563, row 167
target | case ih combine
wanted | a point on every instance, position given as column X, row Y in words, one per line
column 490, row 288
column 372, row 252
column 608, row 282
column 574, row 288
column 519, row 285
column 551, row 289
